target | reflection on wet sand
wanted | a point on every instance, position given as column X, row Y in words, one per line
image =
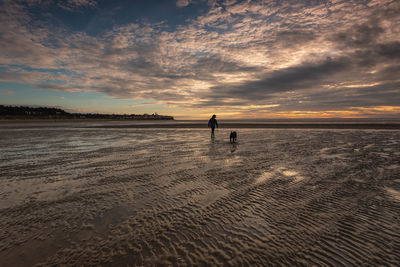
column 76, row 196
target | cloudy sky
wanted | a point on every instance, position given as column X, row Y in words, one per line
column 193, row 58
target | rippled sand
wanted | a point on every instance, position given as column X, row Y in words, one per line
column 123, row 197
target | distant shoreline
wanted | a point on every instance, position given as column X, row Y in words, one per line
column 10, row 121
column 45, row 113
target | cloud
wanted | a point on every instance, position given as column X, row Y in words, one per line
column 59, row 87
column 72, row 5
column 183, row 3
column 307, row 75
column 262, row 55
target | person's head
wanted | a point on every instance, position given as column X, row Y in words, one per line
column 213, row 116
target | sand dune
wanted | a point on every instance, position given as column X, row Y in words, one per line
column 117, row 196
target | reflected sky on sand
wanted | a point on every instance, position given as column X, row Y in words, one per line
column 177, row 196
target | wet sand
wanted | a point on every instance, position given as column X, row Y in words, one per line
column 187, row 124
column 255, row 125
column 145, row 196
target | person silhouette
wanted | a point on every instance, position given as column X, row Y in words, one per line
column 212, row 123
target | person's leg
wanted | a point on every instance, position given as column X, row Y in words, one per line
column 212, row 130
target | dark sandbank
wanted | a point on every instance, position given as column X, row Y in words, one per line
column 187, row 124
column 389, row 126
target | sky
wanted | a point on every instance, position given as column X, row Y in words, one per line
column 194, row 58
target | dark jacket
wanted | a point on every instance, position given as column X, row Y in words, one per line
column 212, row 123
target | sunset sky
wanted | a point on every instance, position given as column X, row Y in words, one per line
column 193, row 58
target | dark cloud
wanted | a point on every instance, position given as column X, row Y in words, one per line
column 215, row 64
column 291, row 38
column 359, row 35
column 367, row 33
column 365, row 42
column 389, row 73
column 385, row 94
column 390, row 50
column 307, row 75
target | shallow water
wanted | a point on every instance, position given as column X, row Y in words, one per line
column 78, row 196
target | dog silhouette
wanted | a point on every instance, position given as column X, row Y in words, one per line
column 232, row 137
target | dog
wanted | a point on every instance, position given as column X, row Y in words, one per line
column 232, row 137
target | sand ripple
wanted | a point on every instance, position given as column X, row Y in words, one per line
column 174, row 197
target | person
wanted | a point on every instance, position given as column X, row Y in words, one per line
column 212, row 123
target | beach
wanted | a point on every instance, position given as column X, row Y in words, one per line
column 123, row 194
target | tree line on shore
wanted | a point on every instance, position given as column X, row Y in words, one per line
column 25, row 112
